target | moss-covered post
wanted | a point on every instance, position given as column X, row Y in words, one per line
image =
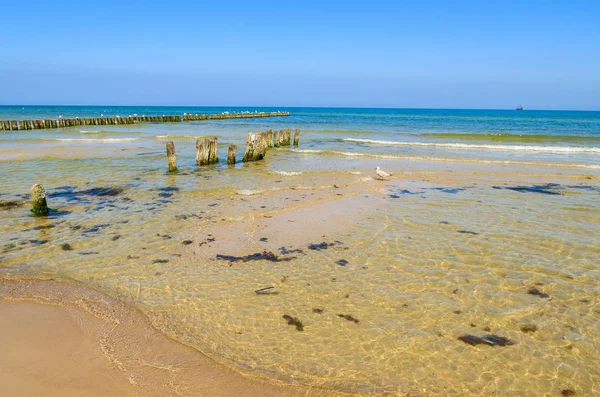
column 231, row 154
column 38, row 200
column 296, row 137
column 171, row 156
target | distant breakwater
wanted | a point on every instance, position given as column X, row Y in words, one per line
column 20, row 125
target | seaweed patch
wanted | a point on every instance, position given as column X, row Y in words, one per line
column 294, row 321
column 8, row 205
column 549, row 188
column 349, row 318
column 265, row 255
column 322, row 245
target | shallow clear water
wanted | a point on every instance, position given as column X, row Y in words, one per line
column 450, row 246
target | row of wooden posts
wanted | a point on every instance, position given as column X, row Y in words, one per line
column 206, row 153
column 256, row 149
column 19, row 125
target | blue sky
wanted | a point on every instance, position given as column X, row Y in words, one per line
column 470, row 54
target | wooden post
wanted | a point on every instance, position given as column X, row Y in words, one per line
column 171, row 156
column 231, row 154
column 53, row 123
column 199, row 150
column 38, row 200
column 206, row 151
column 14, row 125
column 296, row 136
column 270, row 138
column 249, row 153
column 6, row 125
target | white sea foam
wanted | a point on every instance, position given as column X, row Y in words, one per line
column 446, row 160
column 248, row 192
column 525, row 148
column 286, row 173
column 96, row 140
column 182, row 137
column 355, row 172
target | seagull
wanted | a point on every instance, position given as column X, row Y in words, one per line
column 381, row 174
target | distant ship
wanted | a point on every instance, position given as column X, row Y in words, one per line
column 520, row 107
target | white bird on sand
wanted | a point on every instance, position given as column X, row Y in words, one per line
column 381, row 174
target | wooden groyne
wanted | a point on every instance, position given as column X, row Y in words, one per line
column 21, row 125
column 256, row 149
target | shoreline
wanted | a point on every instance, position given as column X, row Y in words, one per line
column 104, row 335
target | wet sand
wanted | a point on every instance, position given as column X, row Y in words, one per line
column 64, row 339
column 89, row 343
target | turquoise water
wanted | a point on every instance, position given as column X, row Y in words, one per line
column 569, row 137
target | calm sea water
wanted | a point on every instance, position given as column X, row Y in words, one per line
column 483, row 207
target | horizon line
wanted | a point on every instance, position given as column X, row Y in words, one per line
column 301, row 107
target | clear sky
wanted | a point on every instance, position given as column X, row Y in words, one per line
column 451, row 54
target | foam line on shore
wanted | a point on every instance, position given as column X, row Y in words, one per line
column 525, row 148
column 441, row 159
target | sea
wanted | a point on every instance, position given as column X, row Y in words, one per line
column 473, row 270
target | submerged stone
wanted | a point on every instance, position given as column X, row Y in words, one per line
column 468, row 232
column 66, row 247
column 317, row 310
column 537, row 292
column 187, row 242
column 489, row 339
column 342, row 262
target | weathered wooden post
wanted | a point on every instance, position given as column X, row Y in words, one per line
column 231, row 154
column 14, row 125
column 6, row 125
column 171, row 156
column 38, row 200
column 206, row 151
column 296, row 136
column 249, row 153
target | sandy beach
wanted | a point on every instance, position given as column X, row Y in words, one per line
column 463, row 274
column 63, row 339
